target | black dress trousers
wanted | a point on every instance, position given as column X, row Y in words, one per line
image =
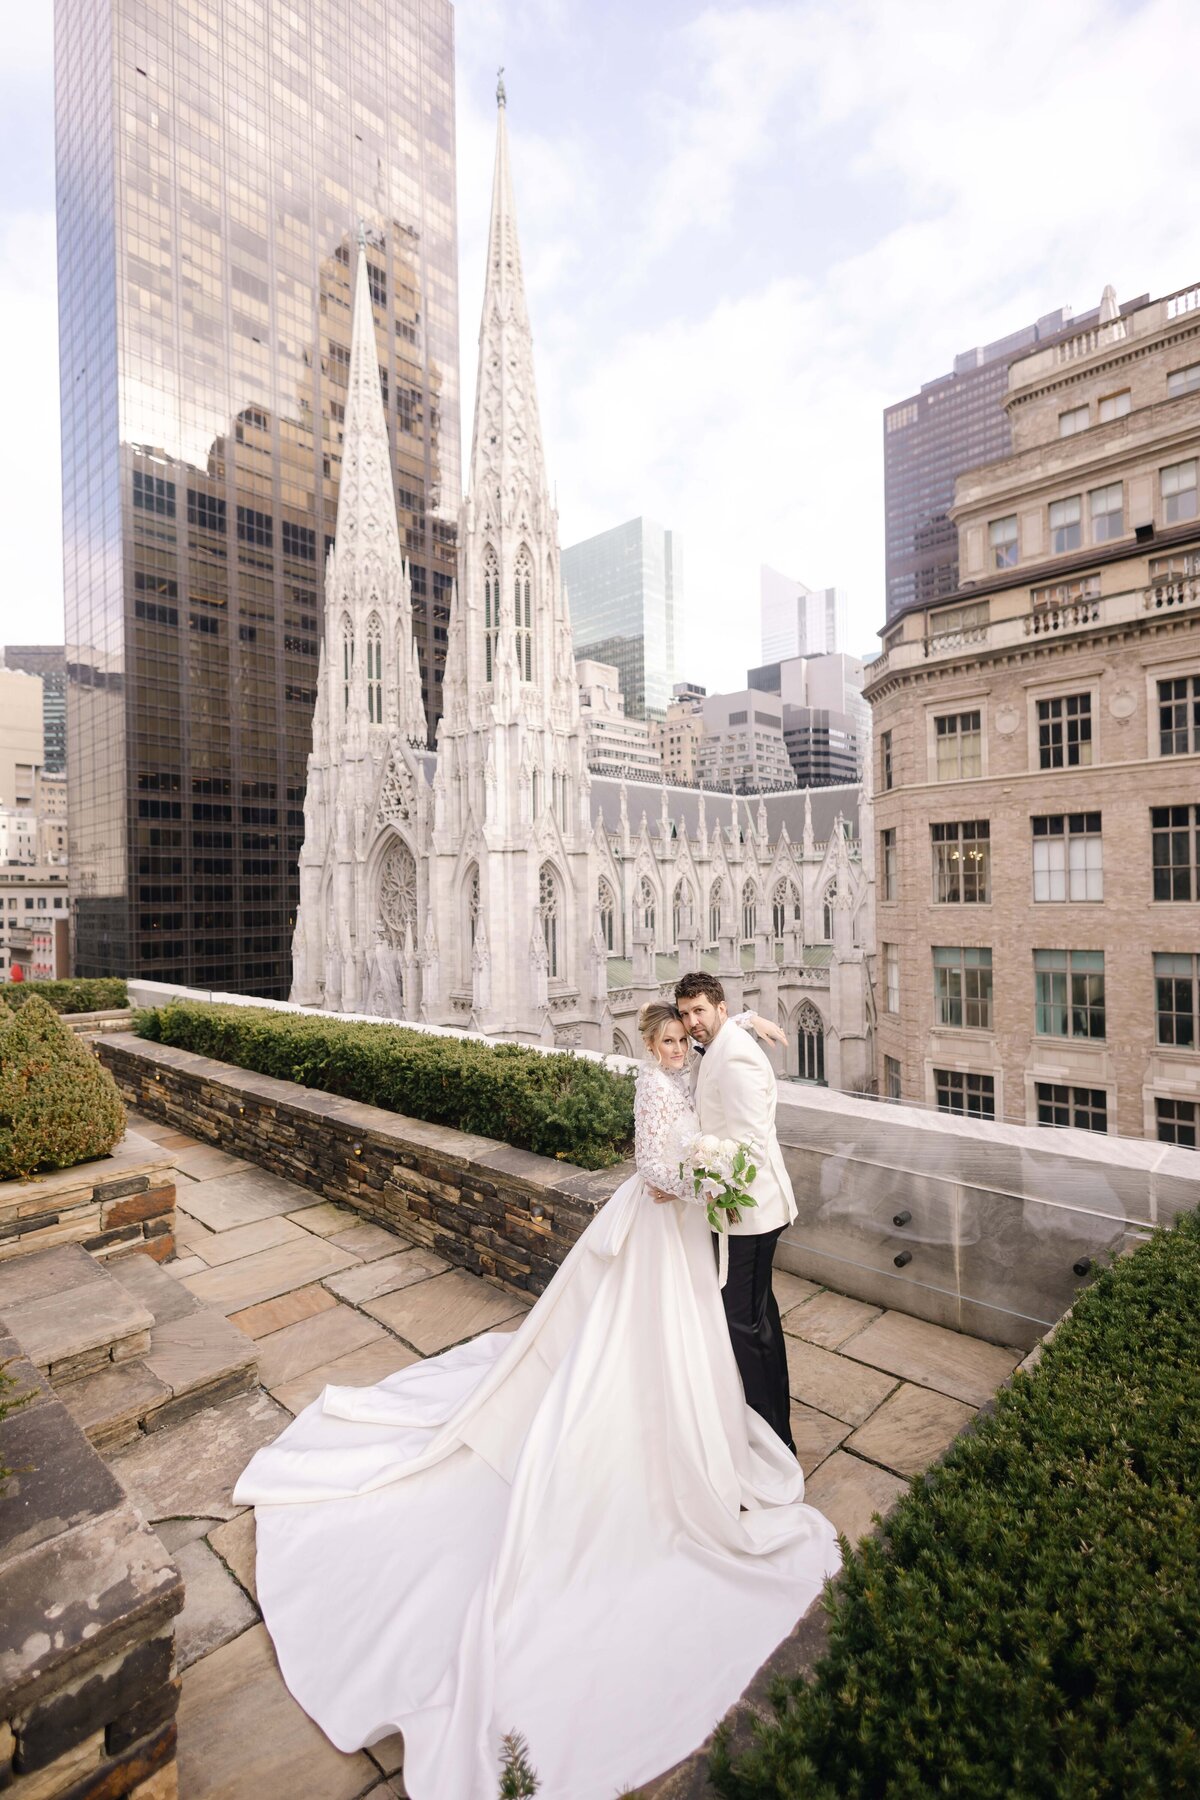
column 756, row 1330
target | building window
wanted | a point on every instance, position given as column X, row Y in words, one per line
column 299, row 541
column 1065, row 731
column 1083, row 1107
column 347, row 662
column 1177, row 1000
column 891, row 977
column 1178, row 1122
column 1179, row 716
column 205, row 511
column 646, row 904
column 1068, row 861
column 891, row 1078
column 749, row 910
column 1107, row 512
column 255, row 527
column 523, row 616
column 1175, row 849
column 828, row 907
column 737, row 718
column 1066, row 525
column 714, row 912
column 888, row 862
column 785, row 908
column 1178, row 481
column 962, row 861
column 608, row 912
column 1114, row 406
column 959, row 738
column 153, row 494
column 1069, row 992
column 375, row 669
column 885, row 760
column 810, row 1041
column 548, row 909
column 1077, row 419
column 963, row 1091
column 1183, row 381
column 491, row 612
column 1002, row 537
column 962, row 987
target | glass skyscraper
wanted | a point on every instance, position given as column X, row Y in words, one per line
column 214, row 160
column 625, row 590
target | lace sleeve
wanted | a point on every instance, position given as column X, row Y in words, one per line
column 657, row 1118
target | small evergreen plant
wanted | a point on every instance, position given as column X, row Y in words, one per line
column 58, row 1106
column 518, row 1781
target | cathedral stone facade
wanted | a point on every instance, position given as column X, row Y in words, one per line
column 498, row 885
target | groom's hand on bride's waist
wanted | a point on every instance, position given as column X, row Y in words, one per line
column 659, row 1196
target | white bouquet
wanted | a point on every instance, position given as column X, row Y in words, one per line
column 720, row 1172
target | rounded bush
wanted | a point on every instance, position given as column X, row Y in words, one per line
column 58, row 1106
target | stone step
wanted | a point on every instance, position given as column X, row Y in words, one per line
column 70, row 1315
column 195, row 1358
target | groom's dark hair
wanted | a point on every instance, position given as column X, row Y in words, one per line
column 699, row 985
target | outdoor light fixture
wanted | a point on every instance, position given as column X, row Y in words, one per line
column 1083, row 1266
column 358, row 1149
column 904, row 1258
column 536, row 1211
column 901, row 1218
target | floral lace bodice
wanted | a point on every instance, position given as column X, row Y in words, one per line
column 663, row 1119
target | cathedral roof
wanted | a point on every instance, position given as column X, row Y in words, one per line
column 782, row 809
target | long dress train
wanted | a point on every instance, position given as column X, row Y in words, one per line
column 543, row 1531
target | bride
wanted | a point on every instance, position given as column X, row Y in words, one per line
column 578, row 1531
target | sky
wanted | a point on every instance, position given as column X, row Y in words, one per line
column 746, row 229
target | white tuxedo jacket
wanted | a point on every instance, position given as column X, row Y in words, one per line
column 735, row 1098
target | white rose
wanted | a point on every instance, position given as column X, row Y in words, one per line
column 708, row 1146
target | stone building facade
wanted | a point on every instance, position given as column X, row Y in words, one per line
column 499, row 884
column 1037, row 758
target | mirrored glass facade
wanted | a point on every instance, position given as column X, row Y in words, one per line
column 214, row 159
column 624, row 588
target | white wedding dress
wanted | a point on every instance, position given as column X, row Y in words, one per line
column 577, row 1531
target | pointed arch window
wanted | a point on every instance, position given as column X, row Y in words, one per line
column 549, row 910
column 523, row 615
column 621, row 1044
column 682, row 907
column 347, row 662
column 472, row 897
column 375, row 669
column 646, row 904
column 810, row 1040
column 607, row 902
column 749, row 909
column 714, row 911
column 491, row 611
column 398, row 894
column 538, row 787
column 827, row 912
column 785, row 908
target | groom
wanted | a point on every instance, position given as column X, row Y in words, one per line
column 735, row 1098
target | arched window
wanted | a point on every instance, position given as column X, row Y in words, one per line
column 682, row 906
column 548, row 909
column 375, row 669
column 523, row 615
column 714, row 911
column 621, row 1044
column 607, row 902
column 749, row 909
column 347, row 662
column 646, row 904
column 785, row 908
column 472, row 898
column 537, row 786
column 827, row 912
column 398, row 893
column 491, row 611
column 810, row 1040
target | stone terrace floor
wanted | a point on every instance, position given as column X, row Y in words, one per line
column 329, row 1298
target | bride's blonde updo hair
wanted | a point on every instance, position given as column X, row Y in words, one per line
column 653, row 1020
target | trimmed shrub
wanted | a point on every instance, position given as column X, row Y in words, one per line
column 58, row 1106
column 1028, row 1623
column 562, row 1106
column 105, row 994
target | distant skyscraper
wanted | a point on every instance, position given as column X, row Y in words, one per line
column 211, row 175
column 625, row 591
column 956, row 422
column 799, row 620
column 50, row 662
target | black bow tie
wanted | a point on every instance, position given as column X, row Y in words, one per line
column 699, row 1049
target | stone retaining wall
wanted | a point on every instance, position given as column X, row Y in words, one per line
column 500, row 1212
column 118, row 1204
column 88, row 1690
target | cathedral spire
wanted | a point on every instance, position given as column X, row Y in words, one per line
column 367, row 578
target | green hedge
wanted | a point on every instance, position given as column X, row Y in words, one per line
column 58, row 1107
column 1029, row 1624
column 562, row 1106
column 106, row 994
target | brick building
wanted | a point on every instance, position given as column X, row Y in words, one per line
column 1037, row 758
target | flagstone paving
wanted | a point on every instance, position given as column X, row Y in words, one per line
column 324, row 1297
